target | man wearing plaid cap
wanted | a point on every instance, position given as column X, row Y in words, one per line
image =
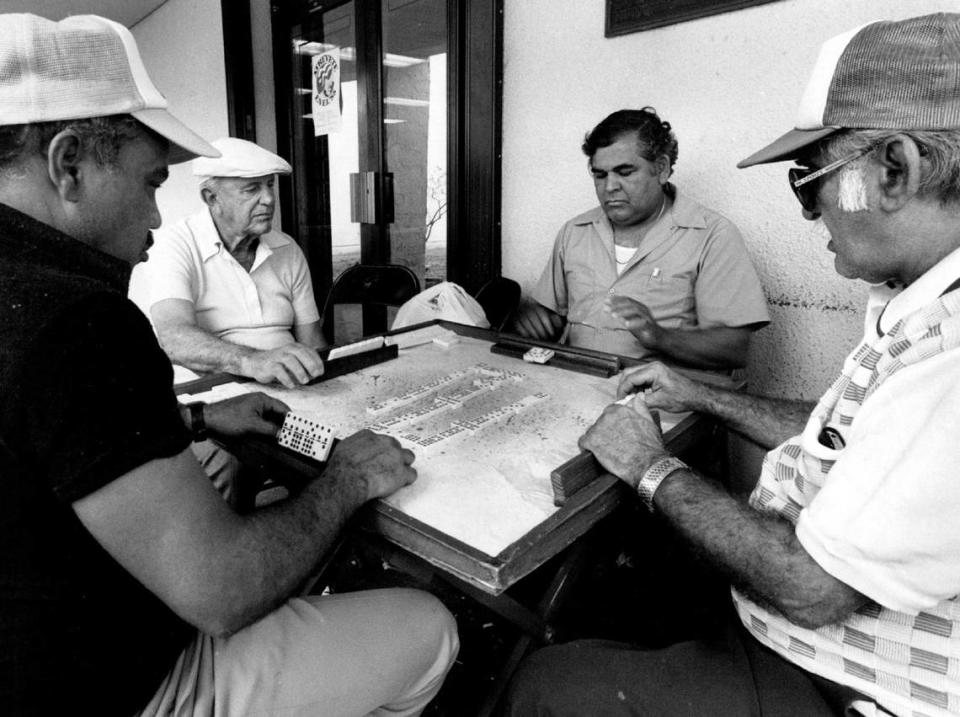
column 846, row 562
column 127, row 585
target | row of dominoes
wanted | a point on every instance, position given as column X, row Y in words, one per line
column 469, row 426
column 414, row 395
column 503, row 373
column 492, row 377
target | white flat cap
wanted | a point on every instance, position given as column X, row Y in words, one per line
column 239, row 158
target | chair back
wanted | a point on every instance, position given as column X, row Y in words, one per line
column 499, row 298
column 369, row 285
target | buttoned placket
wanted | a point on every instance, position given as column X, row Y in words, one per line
column 657, row 235
column 252, row 305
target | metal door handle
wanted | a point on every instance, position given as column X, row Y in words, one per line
column 363, row 197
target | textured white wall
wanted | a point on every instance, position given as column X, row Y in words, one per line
column 182, row 47
column 728, row 84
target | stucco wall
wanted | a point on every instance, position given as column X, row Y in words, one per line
column 728, row 84
column 182, row 47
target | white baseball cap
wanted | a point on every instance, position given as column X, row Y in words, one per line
column 239, row 158
column 83, row 66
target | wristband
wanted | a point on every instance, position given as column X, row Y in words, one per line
column 198, row 426
column 654, row 476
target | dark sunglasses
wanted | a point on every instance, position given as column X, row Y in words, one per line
column 803, row 180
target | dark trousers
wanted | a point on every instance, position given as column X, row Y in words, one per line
column 727, row 674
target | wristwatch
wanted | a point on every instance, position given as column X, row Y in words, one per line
column 198, row 426
column 654, row 476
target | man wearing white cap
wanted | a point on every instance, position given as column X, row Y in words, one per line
column 127, row 585
column 225, row 291
column 846, row 562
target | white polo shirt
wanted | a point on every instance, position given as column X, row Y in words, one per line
column 257, row 308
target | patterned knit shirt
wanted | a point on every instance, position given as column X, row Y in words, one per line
column 905, row 653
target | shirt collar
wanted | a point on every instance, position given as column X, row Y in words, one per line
column 920, row 293
column 684, row 212
column 208, row 238
column 209, row 242
column 22, row 236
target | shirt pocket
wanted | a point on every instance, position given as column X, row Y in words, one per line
column 670, row 299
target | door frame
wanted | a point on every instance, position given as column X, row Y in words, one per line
column 474, row 96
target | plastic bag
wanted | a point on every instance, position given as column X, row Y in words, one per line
column 445, row 300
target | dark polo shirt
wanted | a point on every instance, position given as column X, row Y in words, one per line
column 85, row 396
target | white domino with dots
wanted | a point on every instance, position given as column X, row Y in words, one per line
column 538, row 354
column 304, row 435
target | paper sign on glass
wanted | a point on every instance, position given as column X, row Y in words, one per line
column 325, row 72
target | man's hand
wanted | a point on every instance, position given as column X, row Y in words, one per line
column 292, row 365
column 626, row 441
column 252, row 413
column 637, row 319
column 665, row 389
column 536, row 321
column 372, row 463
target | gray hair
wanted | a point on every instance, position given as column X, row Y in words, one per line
column 103, row 137
column 941, row 149
column 211, row 183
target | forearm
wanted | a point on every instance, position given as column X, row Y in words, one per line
column 760, row 554
column 310, row 335
column 199, row 350
column 768, row 422
column 277, row 548
column 714, row 348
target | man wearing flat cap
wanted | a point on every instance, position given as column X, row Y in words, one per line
column 127, row 585
column 224, row 290
column 845, row 564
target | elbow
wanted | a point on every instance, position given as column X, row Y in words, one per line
column 813, row 610
column 737, row 358
column 221, row 619
column 167, row 342
column 219, row 608
column 811, row 617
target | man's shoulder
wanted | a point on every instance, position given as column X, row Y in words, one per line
column 38, row 288
column 283, row 245
column 179, row 226
column 276, row 239
column 692, row 213
column 585, row 218
column 186, row 231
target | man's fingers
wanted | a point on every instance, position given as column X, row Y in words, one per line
column 275, row 406
column 280, row 372
column 306, row 357
column 544, row 325
column 632, row 379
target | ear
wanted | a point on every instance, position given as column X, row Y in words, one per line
column 208, row 196
column 900, row 171
column 64, row 165
column 662, row 164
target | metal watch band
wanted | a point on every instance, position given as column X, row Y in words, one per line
column 198, row 426
column 654, row 476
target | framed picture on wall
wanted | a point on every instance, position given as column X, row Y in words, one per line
column 626, row 16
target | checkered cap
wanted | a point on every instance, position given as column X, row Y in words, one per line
column 84, row 66
column 902, row 75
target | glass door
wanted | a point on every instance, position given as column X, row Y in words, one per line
column 415, row 104
column 368, row 131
